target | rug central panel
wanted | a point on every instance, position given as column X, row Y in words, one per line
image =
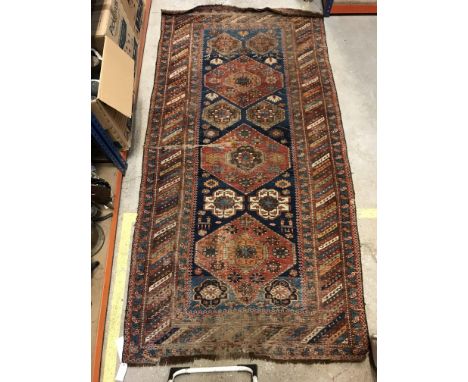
column 244, row 250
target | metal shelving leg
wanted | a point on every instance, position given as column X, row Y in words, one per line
column 106, row 144
column 327, row 6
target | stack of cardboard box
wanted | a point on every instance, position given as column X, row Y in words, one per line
column 115, row 31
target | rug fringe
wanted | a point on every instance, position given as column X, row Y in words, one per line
column 241, row 357
column 218, row 8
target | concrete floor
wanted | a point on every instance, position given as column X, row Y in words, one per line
column 352, row 48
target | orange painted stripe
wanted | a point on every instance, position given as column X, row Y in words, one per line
column 352, row 9
column 107, row 279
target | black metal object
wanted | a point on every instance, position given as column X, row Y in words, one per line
column 254, row 368
column 94, row 265
column 327, row 6
column 173, row 370
column 176, row 371
column 139, row 15
column 98, row 237
column 106, row 144
column 123, row 33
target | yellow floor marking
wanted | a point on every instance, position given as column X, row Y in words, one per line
column 367, row 213
column 114, row 316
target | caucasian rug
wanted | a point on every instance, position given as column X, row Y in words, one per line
column 246, row 242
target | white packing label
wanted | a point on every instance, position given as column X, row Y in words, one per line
column 119, row 377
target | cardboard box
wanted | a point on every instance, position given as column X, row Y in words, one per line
column 108, row 18
column 113, row 105
column 135, row 10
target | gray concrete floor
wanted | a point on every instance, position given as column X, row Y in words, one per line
column 352, row 48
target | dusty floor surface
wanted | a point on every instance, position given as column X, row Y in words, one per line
column 352, row 48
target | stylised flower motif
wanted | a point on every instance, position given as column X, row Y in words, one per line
column 257, row 277
column 265, row 114
column 217, row 265
column 283, row 183
column 274, row 98
column 244, row 133
column 238, row 158
column 216, row 61
column 280, row 293
column 260, row 230
column 246, row 157
column 272, row 241
column 221, row 114
column 211, row 133
column 225, row 44
column 212, row 96
column 268, row 203
column 244, row 80
column 209, row 252
column 273, row 266
column 230, row 229
column 245, row 251
column 246, row 182
column 235, row 255
column 276, row 133
column 211, row 183
column 270, row 79
column 224, row 203
column 210, row 293
column 293, row 273
column 262, row 43
column 281, row 252
column 234, row 277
